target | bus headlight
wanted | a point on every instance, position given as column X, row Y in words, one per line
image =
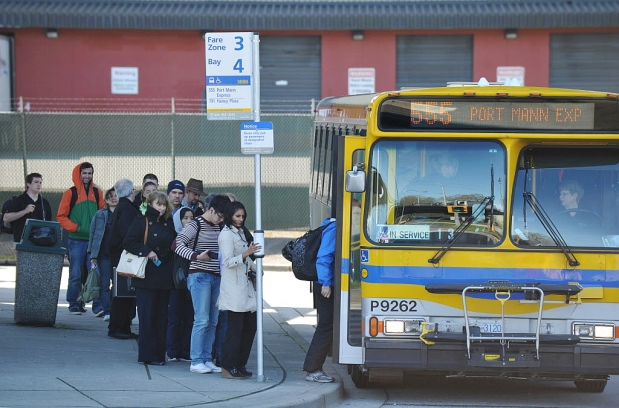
column 594, row 331
column 402, row 326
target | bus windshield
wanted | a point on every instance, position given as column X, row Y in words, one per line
column 422, row 191
column 575, row 188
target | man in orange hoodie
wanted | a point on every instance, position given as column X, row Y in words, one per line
column 75, row 212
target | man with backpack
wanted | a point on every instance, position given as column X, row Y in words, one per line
column 29, row 205
column 75, row 213
column 323, row 288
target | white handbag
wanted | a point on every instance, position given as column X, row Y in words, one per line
column 133, row 266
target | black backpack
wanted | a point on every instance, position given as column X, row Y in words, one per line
column 302, row 252
column 6, row 226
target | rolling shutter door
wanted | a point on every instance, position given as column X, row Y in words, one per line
column 433, row 60
column 585, row 61
column 289, row 73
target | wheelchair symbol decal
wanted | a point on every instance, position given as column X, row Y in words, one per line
column 365, row 255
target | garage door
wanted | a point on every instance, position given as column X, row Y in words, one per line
column 289, row 73
column 433, row 60
column 585, row 61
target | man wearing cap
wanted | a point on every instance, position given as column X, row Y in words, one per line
column 193, row 191
column 176, row 190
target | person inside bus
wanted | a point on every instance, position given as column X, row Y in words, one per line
column 570, row 195
column 443, row 166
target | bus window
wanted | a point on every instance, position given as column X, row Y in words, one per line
column 575, row 189
column 421, row 191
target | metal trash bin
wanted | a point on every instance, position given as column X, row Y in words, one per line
column 37, row 281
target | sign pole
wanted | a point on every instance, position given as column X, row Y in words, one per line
column 259, row 234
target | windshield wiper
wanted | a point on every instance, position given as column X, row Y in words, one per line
column 462, row 227
column 550, row 228
column 460, row 230
column 542, row 216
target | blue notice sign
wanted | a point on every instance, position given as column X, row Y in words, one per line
column 257, row 137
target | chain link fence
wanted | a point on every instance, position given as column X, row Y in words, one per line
column 171, row 145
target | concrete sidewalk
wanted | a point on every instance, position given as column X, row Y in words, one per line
column 75, row 363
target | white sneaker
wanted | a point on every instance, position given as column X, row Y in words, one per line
column 199, row 368
column 212, row 367
column 106, row 318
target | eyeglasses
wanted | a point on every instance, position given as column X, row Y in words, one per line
column 219, row 215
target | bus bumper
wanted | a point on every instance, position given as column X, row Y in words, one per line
column 412, row 355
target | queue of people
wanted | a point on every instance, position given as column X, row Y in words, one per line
column 174, row 324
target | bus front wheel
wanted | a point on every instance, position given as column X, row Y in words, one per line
column 359, row 377
column 590, row 385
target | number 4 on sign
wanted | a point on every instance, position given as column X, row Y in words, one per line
column 238, row 66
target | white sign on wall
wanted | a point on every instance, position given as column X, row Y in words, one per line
column 125, row 80
column 505, row 74
column 361, row 80
column 229, row 69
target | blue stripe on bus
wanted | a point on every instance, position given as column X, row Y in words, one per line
column 421, row 275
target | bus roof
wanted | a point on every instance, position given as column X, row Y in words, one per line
column 355, row 107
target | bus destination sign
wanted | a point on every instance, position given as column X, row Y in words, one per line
column 439, row 114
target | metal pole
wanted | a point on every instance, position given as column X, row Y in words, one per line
column 172, row 152
column 23, row 135
column 258, row 193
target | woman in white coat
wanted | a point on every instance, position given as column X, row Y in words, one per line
column 237, row 294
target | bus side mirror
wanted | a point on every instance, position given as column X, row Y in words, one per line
column 355, row 180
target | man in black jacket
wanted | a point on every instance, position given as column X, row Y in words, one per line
column 123, row 308
column 30, row 204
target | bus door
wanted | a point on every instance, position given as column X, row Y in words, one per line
column 347, row 315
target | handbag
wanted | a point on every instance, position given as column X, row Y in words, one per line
column 133, row 266
column 180, row 266
column 91, row 288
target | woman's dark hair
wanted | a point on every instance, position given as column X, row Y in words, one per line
column 231, row 209
column 109, row 192
column 184, row 211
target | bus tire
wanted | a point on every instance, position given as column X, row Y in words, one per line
column 591, row 385
column 361, row 379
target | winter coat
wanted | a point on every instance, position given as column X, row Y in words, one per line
column 77, row 220
column 236, row 292
column 160, row 237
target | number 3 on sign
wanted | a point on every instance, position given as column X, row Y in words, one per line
column 238, row 66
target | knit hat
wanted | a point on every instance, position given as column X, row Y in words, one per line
column 176, row 185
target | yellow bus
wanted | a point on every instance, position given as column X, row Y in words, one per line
column 478, row 231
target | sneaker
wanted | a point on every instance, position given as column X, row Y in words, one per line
column 75, row 310
column 82, row 309
column 183, row 359
column 106, row 318
column 172, row 359
column 233, row 374
column 200, row 368
column 319, row 376
column 99, row 313
column 212, row 367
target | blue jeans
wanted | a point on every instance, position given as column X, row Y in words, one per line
column 204, row 288
column 79, row 264
column 105, row 275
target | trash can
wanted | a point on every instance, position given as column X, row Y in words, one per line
column 40, row 258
